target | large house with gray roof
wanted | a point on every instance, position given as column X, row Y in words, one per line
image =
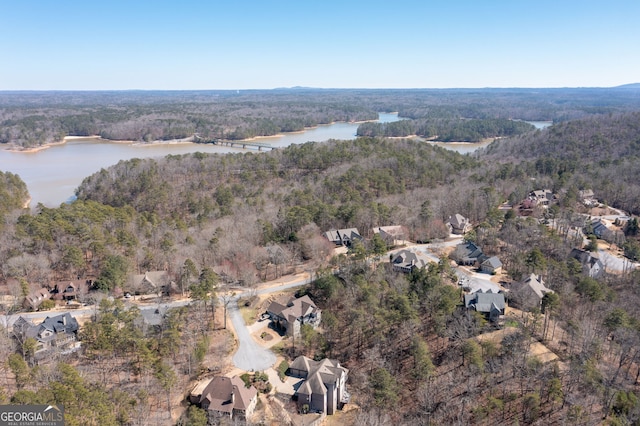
column 55, row 335
column 343, row 237
column 492, row 305
column 151, row 282
column 467, row 254
column 324, row 389
column 392, row 235
column 290, row 316
column 591, row 265
column 529, row 292
column 491, row 265
column 458, row 224
column 408, row 260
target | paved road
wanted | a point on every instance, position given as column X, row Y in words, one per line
column 8, row 320
column 250, row 356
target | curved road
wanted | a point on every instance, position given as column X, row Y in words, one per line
column 250, row 356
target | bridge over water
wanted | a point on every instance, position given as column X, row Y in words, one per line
column 236, row 144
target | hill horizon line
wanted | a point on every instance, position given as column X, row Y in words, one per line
column 311, row 88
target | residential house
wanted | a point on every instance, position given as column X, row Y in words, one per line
column 529, row 292
column 407, row 260
column 229, row 397
column 324, row 389
column 491, row 265
column 152, row 282
column 151, row 319
column 343, row 237
column 70, row 289
column 58, row 334
column 467, row 254
column 591, row 265
column 291, row 315
column 458, row 224
column 392, row 235
column 474, row 285
column 588, row 197
column 541, row 197
column 35, row 299
column 492, row 305
column 599, row 229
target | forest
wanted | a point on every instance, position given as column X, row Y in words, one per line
column 31, row 119
column 414, row 355
column 452, row 130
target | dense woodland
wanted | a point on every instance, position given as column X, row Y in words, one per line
column 29, row 119
column 413, row 353
column 447, row 130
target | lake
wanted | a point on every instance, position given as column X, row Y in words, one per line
column 52, row 175
column 469, row 147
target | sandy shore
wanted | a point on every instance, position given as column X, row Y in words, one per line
column 97, row 138
column 189, row 140
column 35, row 148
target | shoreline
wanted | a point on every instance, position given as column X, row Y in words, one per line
column 458, row 143
column 185, row 141
column 96, row 138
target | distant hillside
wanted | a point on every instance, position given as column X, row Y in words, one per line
column 629, row 86
column 601, row 152
column 13, row 194
column 592, row 139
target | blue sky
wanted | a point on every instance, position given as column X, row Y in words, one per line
column 240, row 44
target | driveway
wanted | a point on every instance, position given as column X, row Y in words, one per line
column 250, row 356
column 615, row 263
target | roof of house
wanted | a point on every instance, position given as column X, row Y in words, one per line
column 457, row 220
column 535, row 283
column 294, row 308
column 22, row 324
column 393, row 230
column 586, row 193
column 319, row 374
column 63, row 323
column 588, row 261
column 476, row 285
column 485, row 302
column 153, row 316
column 156, row 279
column 583, row 256
column 39, row 295
column 492, row 262
column 407, row 258
column 598, row 226
column 467, row 252
column 332, row 235
column 542, row 194
column 338, row 235
column 69, row 288
column 225, row 394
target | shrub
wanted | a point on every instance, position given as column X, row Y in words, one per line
column 47, row 305
column 282, row 369
column 246, row 378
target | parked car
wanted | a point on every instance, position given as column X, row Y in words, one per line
column 264, row 316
